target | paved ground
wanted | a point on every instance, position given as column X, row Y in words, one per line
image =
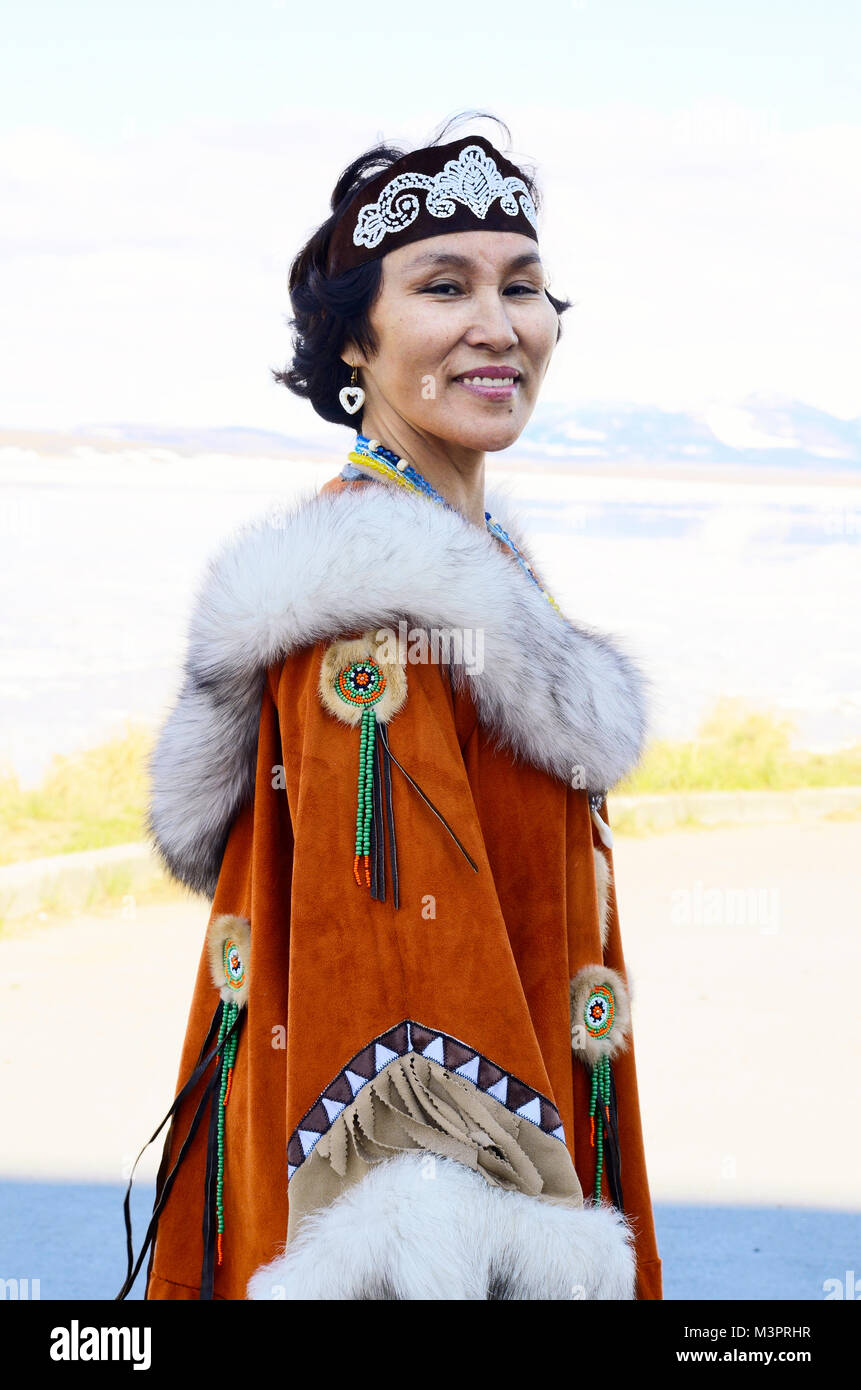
column 740, row 945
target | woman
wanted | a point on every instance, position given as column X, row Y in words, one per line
column 408, row 1070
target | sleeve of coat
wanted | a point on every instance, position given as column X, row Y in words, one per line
column 638, row 1204
column 254, row 884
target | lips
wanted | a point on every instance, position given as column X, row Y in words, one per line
column 495, row 375
column 491, row 383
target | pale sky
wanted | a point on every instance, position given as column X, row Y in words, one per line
column 160, row 165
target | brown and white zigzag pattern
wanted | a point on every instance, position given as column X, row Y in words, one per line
column 449, row 1052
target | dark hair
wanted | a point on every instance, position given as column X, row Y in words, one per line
column 328, row 311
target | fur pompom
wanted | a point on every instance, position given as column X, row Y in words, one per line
column 341, row 654
column 228, row 947
column 600, row 1013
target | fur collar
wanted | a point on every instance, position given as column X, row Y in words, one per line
column 556, row 694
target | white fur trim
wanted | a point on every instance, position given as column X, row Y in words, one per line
column 603, row 875
column 603, row 828
column 558, row 695
column 423, row 1227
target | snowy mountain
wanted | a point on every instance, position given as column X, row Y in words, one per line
column 764, row 431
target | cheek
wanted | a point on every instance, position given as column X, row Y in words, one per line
column 546, row 333
column 542, row 354
column 414, row 350
column 408, row 345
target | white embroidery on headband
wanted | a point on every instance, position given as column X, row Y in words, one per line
column 473, row 179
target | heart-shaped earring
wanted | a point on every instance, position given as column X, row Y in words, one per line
column 352, row 397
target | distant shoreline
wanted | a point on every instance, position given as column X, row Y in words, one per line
column 59, row 443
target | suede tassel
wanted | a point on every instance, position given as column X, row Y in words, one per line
column 375, row 812
column 208, row 1055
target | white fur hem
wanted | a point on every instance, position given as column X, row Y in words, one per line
column 424, row 1227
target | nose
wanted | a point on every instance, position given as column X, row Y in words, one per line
column 491, row 326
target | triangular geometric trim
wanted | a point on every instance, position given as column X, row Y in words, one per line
column 470, row 1070
column 308, row 1138
column 434, row 1051
column 500, row 1090
column 531, row 1111
column 409, row 1035
column 382, row 1056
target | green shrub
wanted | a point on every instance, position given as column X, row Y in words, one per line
column 740, row 748
column 85, row 801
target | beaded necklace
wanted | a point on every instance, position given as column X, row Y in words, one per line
column 372, row 454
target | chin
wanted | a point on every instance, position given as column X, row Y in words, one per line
column 487, row 436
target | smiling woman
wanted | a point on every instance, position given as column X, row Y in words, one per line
column 388, row 769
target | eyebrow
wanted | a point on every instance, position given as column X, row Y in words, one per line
column 453, row 258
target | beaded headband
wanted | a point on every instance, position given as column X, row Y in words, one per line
column 467, row 186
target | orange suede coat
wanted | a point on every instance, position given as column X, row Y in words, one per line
column 257, row 809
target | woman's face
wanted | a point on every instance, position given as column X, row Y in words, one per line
column 453, row 310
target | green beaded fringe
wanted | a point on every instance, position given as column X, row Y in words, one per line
column 600, row 1087
column 228, row 1057
column 365, row 807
